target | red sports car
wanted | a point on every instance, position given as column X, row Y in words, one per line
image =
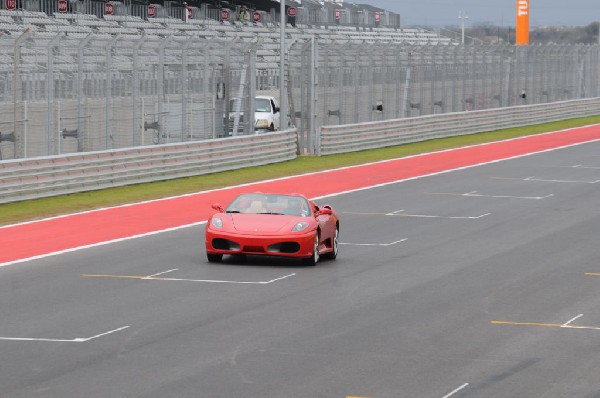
column 273, row 225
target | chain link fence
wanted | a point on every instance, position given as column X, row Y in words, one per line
column 61, row 94
column 340, row 83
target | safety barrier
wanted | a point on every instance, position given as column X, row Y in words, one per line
column 357, row 137
column 55, row 175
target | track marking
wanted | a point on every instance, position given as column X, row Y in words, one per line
column 152, row 278
column 548, row 325
column 566, row 324
column 592, row 274
column 108, row 242
column 532, row 178
column 580, row 166
column 162, row 273
column 398, row 213
column 456, row 390
column 474, row 194
column 76, row 340
column 334, row 194
column 375, row 244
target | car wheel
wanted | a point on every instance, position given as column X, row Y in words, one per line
column 214, row 258
column 312, row 260
column 332, row 255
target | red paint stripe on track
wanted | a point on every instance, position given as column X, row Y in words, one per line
column 63, row 233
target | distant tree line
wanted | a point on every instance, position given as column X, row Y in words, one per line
column 490, row 33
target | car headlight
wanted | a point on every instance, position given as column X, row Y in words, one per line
column 301, row 226
column 216, row 222
column 262, row 123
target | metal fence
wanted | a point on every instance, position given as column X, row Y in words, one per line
column 61, row 94
column 341, row 83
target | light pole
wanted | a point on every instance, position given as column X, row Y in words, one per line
column 282, row 104
column 462, row 15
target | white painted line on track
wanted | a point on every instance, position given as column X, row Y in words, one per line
column 550, row 325
column 341, row 168
column 162, row 273
column 286, row 178
column 532, row 178
column 76, row 340
column 74, row 249
column 457, row 390
column 580, row 166
column 147, row 278
column 460, row 168
column 571, row 321
column 375, row 244
column 474, row 194
column 399, row 213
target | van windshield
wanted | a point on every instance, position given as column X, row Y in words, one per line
column 262, row 105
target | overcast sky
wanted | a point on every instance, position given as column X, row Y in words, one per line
column 499, row 12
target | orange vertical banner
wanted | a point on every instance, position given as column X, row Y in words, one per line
column 523, row 22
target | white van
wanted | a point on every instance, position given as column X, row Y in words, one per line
column 266, row 114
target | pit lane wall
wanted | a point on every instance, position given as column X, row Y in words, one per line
column 40, row 177
column 357, row 137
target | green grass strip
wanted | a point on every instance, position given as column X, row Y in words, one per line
column 65, row 204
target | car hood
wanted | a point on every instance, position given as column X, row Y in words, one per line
column 264, row 223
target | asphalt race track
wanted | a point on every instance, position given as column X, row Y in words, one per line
column 482, row 282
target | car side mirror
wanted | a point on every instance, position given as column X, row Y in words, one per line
column 276, row 110
column 218, row 207
column 325, row 212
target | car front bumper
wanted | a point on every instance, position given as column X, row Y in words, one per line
column 291, row 245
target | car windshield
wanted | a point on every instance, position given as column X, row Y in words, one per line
column 262, row 105
column 270, row 204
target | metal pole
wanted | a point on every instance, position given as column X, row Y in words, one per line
column 462, row 18
column 282, row 102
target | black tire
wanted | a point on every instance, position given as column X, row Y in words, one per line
column 332, row 255
column 214, row 258
column 314, row 259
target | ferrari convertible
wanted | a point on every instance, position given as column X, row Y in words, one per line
column 273, row 225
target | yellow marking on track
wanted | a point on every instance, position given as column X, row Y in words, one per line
column 548, row 325
column 592, row 274
column 364, row 214
column 527, row 323
column 115, row 276
column 130, row 277
column 445, row 193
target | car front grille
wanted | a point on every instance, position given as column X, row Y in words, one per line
column 254, row 249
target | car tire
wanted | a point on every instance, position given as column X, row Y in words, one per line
column 332, row 255
column 314, row 259
column 214, row 258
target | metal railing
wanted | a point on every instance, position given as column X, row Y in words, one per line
column 358, row 137
column 56, row 175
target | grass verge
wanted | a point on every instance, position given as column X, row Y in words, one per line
column 64, row 204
